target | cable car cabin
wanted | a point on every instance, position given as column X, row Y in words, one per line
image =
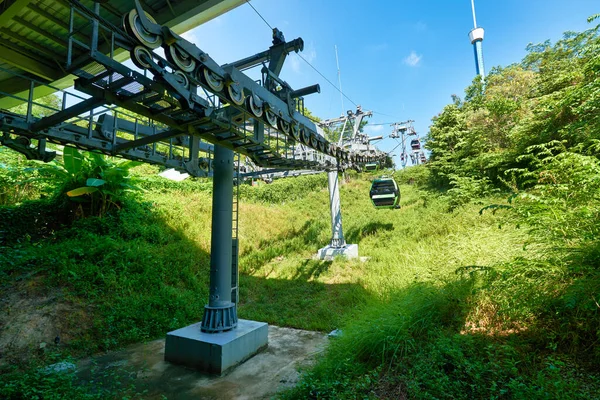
column 423, row 158
column 371, row 167
column 385, row 193
column 415, row 144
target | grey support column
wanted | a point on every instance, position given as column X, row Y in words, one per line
column 337, row 246
column 337, row 233
column 213, row 345
column 221, row 314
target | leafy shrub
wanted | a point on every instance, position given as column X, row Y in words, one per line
column 465, row 189
column 33, row 219
column 95, row 183
column 419, row 175
column 35, row 383
column 13, row 189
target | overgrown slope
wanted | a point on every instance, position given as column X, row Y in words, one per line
column 485, row 283
column 136, row 273
column 525, row 327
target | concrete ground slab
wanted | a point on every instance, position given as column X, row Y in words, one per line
column 215, row 353
column 328, row 253
column 142, row 368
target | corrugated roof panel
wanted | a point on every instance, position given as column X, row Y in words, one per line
column 39, row 41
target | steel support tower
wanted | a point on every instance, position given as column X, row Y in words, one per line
column 476, row 37
column 221, row 314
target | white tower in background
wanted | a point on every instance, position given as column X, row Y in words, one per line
column 476, row 36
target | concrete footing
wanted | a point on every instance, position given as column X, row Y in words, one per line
column 215, row 353
column 349, row 251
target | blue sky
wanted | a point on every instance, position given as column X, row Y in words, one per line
column 400, row 59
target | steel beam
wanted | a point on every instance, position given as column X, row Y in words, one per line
column 148, row 140
column 67, row 113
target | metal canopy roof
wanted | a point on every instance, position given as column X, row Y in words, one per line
column 34, row 34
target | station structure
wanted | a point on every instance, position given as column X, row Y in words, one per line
column 178, row 108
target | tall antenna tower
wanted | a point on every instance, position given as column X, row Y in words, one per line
column 476, row 36
column 339, row 74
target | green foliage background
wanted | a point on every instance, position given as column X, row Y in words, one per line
column 485, row 284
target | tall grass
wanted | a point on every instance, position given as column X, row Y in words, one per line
column 513, row 321
column 144, row 271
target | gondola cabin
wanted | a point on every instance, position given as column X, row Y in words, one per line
column 415, row 144
column 385, row 193
column 371, row 167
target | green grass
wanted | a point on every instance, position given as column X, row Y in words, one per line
column 144, row 271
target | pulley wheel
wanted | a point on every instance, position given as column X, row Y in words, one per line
column 182, row 79
column 133, row 24
column 304, row 136
column 321, row 146
column 214, row 82
column 330, row 149
column 295, row 131
column 181, row 59
column 255, row 109
column 236, row 94
column 284, row 126
column 126, row 26
column 313, row 141
column 141, row 57
column 271, row 118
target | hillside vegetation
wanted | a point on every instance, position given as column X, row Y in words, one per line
column 485, row 283
column 526, row 327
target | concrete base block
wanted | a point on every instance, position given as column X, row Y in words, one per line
column 215, row 353
column 349, row 251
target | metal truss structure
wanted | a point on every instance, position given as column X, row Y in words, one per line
column 179, row 108
column 174, row 109
column 400, row 132
column 353, row 140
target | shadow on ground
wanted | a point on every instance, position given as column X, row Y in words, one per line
column 136, row 276
column 356, row 234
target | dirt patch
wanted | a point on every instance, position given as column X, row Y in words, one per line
column 390, row 389
column 32, row 317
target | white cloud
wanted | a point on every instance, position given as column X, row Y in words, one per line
column 309, row 54
column 294, row 61
column 413, row 59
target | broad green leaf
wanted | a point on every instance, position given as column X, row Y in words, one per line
column 99, row 159
column 81, row 191
column 73, row 160
column 95, row 182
